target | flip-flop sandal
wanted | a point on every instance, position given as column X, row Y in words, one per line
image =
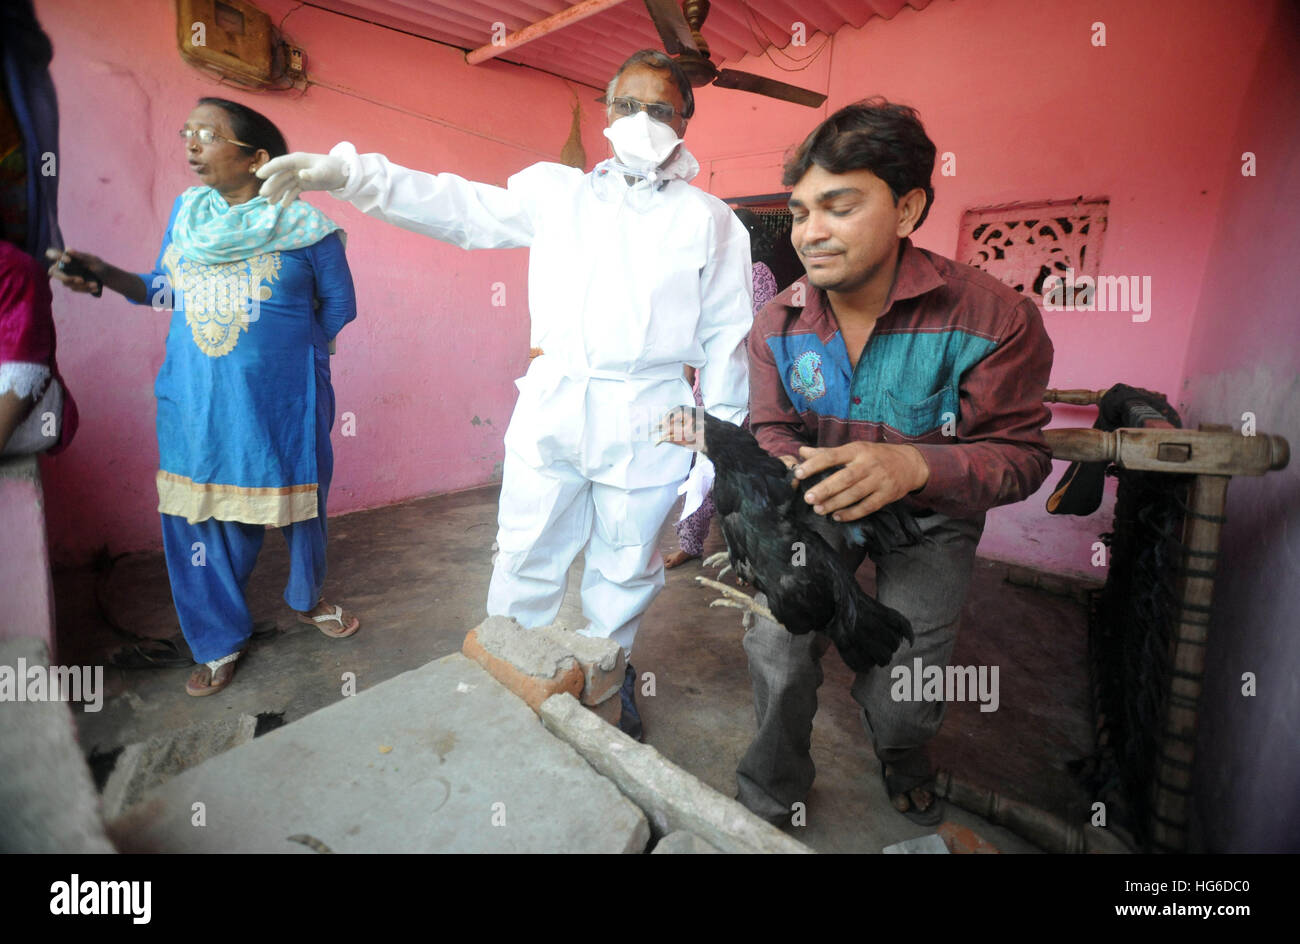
column 319, row 622
column 152, row 654
column 900, row 786
column 204, row 681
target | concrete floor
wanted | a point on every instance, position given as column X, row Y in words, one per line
column 417, row 575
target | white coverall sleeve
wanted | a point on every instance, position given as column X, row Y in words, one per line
column 459, row 211
column 726, row 315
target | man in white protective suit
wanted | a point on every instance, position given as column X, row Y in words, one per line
column 633, row 274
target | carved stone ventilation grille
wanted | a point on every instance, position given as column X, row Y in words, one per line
column 1024, row 244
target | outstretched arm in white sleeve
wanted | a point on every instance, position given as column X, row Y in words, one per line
column 447, row 207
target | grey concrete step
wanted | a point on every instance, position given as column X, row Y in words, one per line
column 48, row 802
column 144, row 766
column 439, row 759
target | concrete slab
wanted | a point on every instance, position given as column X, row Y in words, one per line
column 439, row 759
column 684, row 843
column 47, row 799
column 142, row 767
column 672, row 798
column 418, row 574
column 932, row 844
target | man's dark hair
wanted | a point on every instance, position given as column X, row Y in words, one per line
column 657, row 59
column 876, row 135
column 252, row 127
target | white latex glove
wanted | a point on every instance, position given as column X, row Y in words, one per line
column 290, row 175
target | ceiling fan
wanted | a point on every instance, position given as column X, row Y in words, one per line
column 679, row 28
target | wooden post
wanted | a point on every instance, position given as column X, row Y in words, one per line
column 1172, row 788
column 1074, row 397
column 556, row 21
column 1211, row 455
column 1046, row 830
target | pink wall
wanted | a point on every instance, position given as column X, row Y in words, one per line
column 1033, row 111
column 1014, row 88
column 1244, row 356
column 428, row 366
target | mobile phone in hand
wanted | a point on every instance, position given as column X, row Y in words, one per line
column 79, row 270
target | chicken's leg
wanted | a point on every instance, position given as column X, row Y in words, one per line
column 734, row 598
column 717, row 560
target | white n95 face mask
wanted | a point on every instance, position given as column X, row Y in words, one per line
column 640, row 142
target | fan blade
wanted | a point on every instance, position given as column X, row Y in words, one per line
column 699, row 70
column 748, row 82
column 672, row 26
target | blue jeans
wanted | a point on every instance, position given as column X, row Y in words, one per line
column 926, row 583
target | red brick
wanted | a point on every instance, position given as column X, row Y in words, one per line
column 532, row 688
column 963, row 841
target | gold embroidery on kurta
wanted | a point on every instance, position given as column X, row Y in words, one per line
column 220, row 300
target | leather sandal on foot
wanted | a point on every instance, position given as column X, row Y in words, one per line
column 153, row 654
column 339, row 631
column 899, row 785
column 204, row 681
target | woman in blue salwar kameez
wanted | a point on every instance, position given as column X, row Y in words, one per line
column 256, row 293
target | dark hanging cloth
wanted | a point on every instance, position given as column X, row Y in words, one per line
column 770, row 245
column 29, row 133
column 1121, row 407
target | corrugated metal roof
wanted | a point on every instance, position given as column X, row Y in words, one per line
column 591, row 50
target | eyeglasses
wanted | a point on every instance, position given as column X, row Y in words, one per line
column 207, row 136
column 659, row 111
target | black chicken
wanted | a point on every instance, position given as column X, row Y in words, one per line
column 792, row 554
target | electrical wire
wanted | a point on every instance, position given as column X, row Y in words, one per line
column 767, row 44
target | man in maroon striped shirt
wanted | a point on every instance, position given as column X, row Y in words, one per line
column 921, row 379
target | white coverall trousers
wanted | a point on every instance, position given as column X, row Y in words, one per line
column 546, row 517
